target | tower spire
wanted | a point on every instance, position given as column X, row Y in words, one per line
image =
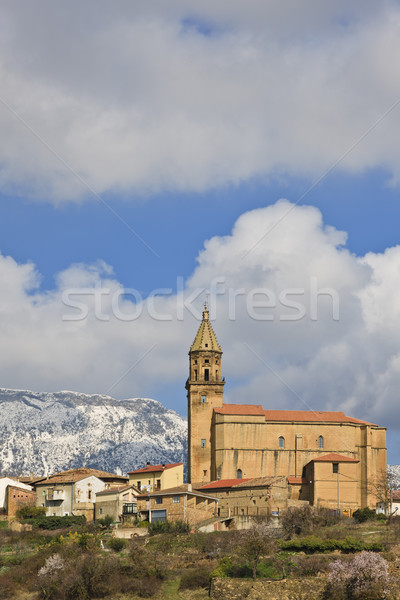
column 205, row 337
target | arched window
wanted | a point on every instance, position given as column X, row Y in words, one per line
column 281, row 442
column 320, row 442
column 239, row 474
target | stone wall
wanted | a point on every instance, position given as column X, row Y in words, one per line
column 287, row 589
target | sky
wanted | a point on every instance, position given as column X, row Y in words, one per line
column 157, row 155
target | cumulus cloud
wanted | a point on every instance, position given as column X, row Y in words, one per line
column 274, row 308
column 141, row 97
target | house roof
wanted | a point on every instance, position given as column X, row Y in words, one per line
column 183, row 489
column 396, row 495
column 222, row 483
column 73, row 475
column 205, row 337
column 333, row 457
column 240, row 483
column 296, row 480
column 116, row 490
column 154, row 468
column 289, row 415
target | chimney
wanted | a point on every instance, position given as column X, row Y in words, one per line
column 189, row 487
column 148, row 463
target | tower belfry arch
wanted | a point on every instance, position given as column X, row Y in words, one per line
column 204, row 393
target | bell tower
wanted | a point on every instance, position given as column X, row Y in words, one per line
column 204, row 393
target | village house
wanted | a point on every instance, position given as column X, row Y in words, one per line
column 15, row 495
column 119, row 503
column 257, row 497
column 73, row 492
column 180, row 503
column 157, row 477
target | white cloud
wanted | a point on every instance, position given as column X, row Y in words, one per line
column 136, row 98
column 352, row 363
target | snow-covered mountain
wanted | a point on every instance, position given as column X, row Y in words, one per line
column 48, row 432
column 394, row 472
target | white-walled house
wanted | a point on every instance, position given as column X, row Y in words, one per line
column 74, row 492
column 5, row 484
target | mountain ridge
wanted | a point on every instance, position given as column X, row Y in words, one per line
column 46, row 432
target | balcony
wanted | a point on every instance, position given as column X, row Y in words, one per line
column 54, row 494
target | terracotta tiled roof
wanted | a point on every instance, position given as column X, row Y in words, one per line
column 176, row 491
column 288, row 415
column 73, row 475
column 240, row 409
column 222, row 483
column 115, row 489
column 396, row 495
column 333, row 457
column 296, row 480
column 311, row 415
column 155, row 468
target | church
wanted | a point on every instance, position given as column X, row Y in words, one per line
column 327, row 458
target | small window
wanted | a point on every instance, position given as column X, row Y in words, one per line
column 281, row 442
column 203, row 443
column 159, row 484
column 195, row 362
column 139, row 484
column 158, row 500
column 89, row 494
column 195, row 374
column 239, row 474
column 206, row 345
column 206, row 374
column 320, row 442
column 335, row 467
column 203, row 398
column 206, row 361
column 205, row 473
column 176, row 499
column 101, row 511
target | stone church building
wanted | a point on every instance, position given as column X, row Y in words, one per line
column 327, row 458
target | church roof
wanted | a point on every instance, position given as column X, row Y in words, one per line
column 205, row 337
column 240, row 409
column 288, row 415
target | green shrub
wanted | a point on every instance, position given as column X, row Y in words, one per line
column 312, row 544
column 56, row 522
column 105, row 521
column 31, row 512
column 117, row 544
column 224, row 569
column 364, row 514
column 175, row 527
column 195, row 578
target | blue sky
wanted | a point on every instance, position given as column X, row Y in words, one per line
column 186, row 124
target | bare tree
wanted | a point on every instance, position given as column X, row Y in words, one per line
column 257, row 542
column 382, row 487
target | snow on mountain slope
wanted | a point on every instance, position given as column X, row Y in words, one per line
column 394, row 472
column 48, row 432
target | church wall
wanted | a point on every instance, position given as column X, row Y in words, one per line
column 251, row 445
